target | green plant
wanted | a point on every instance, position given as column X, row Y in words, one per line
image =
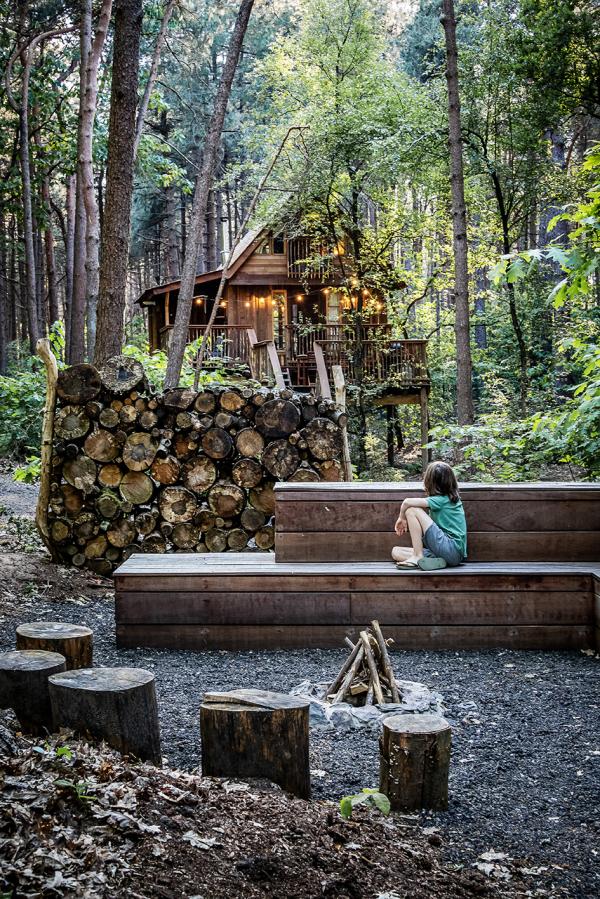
column 366, row 797
column 21, row 402
column 77, row 789
column 30, row 473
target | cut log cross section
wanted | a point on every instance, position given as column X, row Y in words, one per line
column 415, row 761
column 24, row 686
column 73, row 641
column 113, row 704
column 256, row 733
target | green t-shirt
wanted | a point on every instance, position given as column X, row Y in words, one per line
column 450, row 517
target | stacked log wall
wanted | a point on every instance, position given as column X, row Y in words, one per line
column 180, row 471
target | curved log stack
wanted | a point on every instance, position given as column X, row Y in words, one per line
column 183, row 471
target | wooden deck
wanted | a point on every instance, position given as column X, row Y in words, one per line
column 250, row 601
column 310, row 594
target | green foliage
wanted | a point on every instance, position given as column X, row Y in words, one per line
column 370, row 798
column 76, row 789
column 579, row 261
column 29, row 473
column 22, row 398
column 576, row 426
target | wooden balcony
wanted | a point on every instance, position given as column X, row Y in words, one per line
column 373, row 354
column 224, row 342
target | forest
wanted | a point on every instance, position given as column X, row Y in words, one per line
column 299, row 449
column 136, row 140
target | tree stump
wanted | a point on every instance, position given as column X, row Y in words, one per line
column 414, row 762
column 73, row 641
column 256, row 733
column 24, row 686
column 113, row 704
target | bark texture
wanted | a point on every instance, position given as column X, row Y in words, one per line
column 119, row 180
column 464, row 393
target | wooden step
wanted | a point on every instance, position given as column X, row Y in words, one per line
column 252, row 601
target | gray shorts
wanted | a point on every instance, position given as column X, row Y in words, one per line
column 440, row 545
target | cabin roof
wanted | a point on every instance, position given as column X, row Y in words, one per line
column 243, row 250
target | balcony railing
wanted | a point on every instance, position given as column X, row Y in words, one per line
column 224, row 341
column 376, row 354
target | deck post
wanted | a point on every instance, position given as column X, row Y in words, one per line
column 424, row 427
column 339, row 385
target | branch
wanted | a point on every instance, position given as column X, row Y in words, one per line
column 160, row 42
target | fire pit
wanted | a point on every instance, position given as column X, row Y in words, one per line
column 365, row 690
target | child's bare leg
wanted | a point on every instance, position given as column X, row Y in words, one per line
column 401, row 553
column 418, row 521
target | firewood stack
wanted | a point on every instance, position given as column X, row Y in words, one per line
column 366, row 677
column 182, row 471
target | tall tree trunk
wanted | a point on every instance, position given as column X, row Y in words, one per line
column 5, row 311
column 85, row 160
column 26, row 53
column 512, row 297
column 464, row 390
column 76, row 344
column 119, row 179
column 53, row 304
column 69, row 259
column 171, row 236
column 200, row 202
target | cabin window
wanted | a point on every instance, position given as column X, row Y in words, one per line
column 272, row 246
column 334, row 307
column 279, row 316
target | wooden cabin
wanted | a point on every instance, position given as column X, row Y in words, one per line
column 277, row 291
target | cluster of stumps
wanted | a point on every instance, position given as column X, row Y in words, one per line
column 50, row 683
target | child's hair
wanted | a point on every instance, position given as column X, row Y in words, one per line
column 440, row 480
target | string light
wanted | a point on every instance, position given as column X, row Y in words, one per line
column 198, row 301
column 247, row 304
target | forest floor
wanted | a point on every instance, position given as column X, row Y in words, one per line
column 524, row 787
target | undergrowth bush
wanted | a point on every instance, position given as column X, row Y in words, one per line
column 22, row 399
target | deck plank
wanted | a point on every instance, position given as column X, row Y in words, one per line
column 236, row 637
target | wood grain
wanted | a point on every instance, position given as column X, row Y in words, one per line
column 235, row 637
column 482, row 546
column 489, row 514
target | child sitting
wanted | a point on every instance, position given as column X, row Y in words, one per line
column 440, row 538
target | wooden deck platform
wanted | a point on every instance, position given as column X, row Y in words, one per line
column 250, row 601
column 331, row 574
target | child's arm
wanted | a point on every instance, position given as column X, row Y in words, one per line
column 417, row 502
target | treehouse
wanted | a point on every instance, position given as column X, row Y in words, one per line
column 281, row 296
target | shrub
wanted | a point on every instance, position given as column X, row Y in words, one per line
column 21, row 403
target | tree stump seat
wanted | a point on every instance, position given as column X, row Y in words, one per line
column 73, row 641
column 256, row 734
column 414, row 762
column 117, row 705
column 24, row 677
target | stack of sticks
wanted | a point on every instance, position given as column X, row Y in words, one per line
column 366, row 677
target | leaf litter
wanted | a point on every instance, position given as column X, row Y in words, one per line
column 79, row 820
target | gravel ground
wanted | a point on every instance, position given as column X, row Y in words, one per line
column 525, row 774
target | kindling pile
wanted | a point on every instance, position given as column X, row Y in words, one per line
column 182, row 471
column 366, row 677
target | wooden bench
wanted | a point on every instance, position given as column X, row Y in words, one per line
column 309, row 594
column 506, row 523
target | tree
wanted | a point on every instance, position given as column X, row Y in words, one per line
column 119, row 180
column 464, row 389
column 201, row 195
column 92, row 52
